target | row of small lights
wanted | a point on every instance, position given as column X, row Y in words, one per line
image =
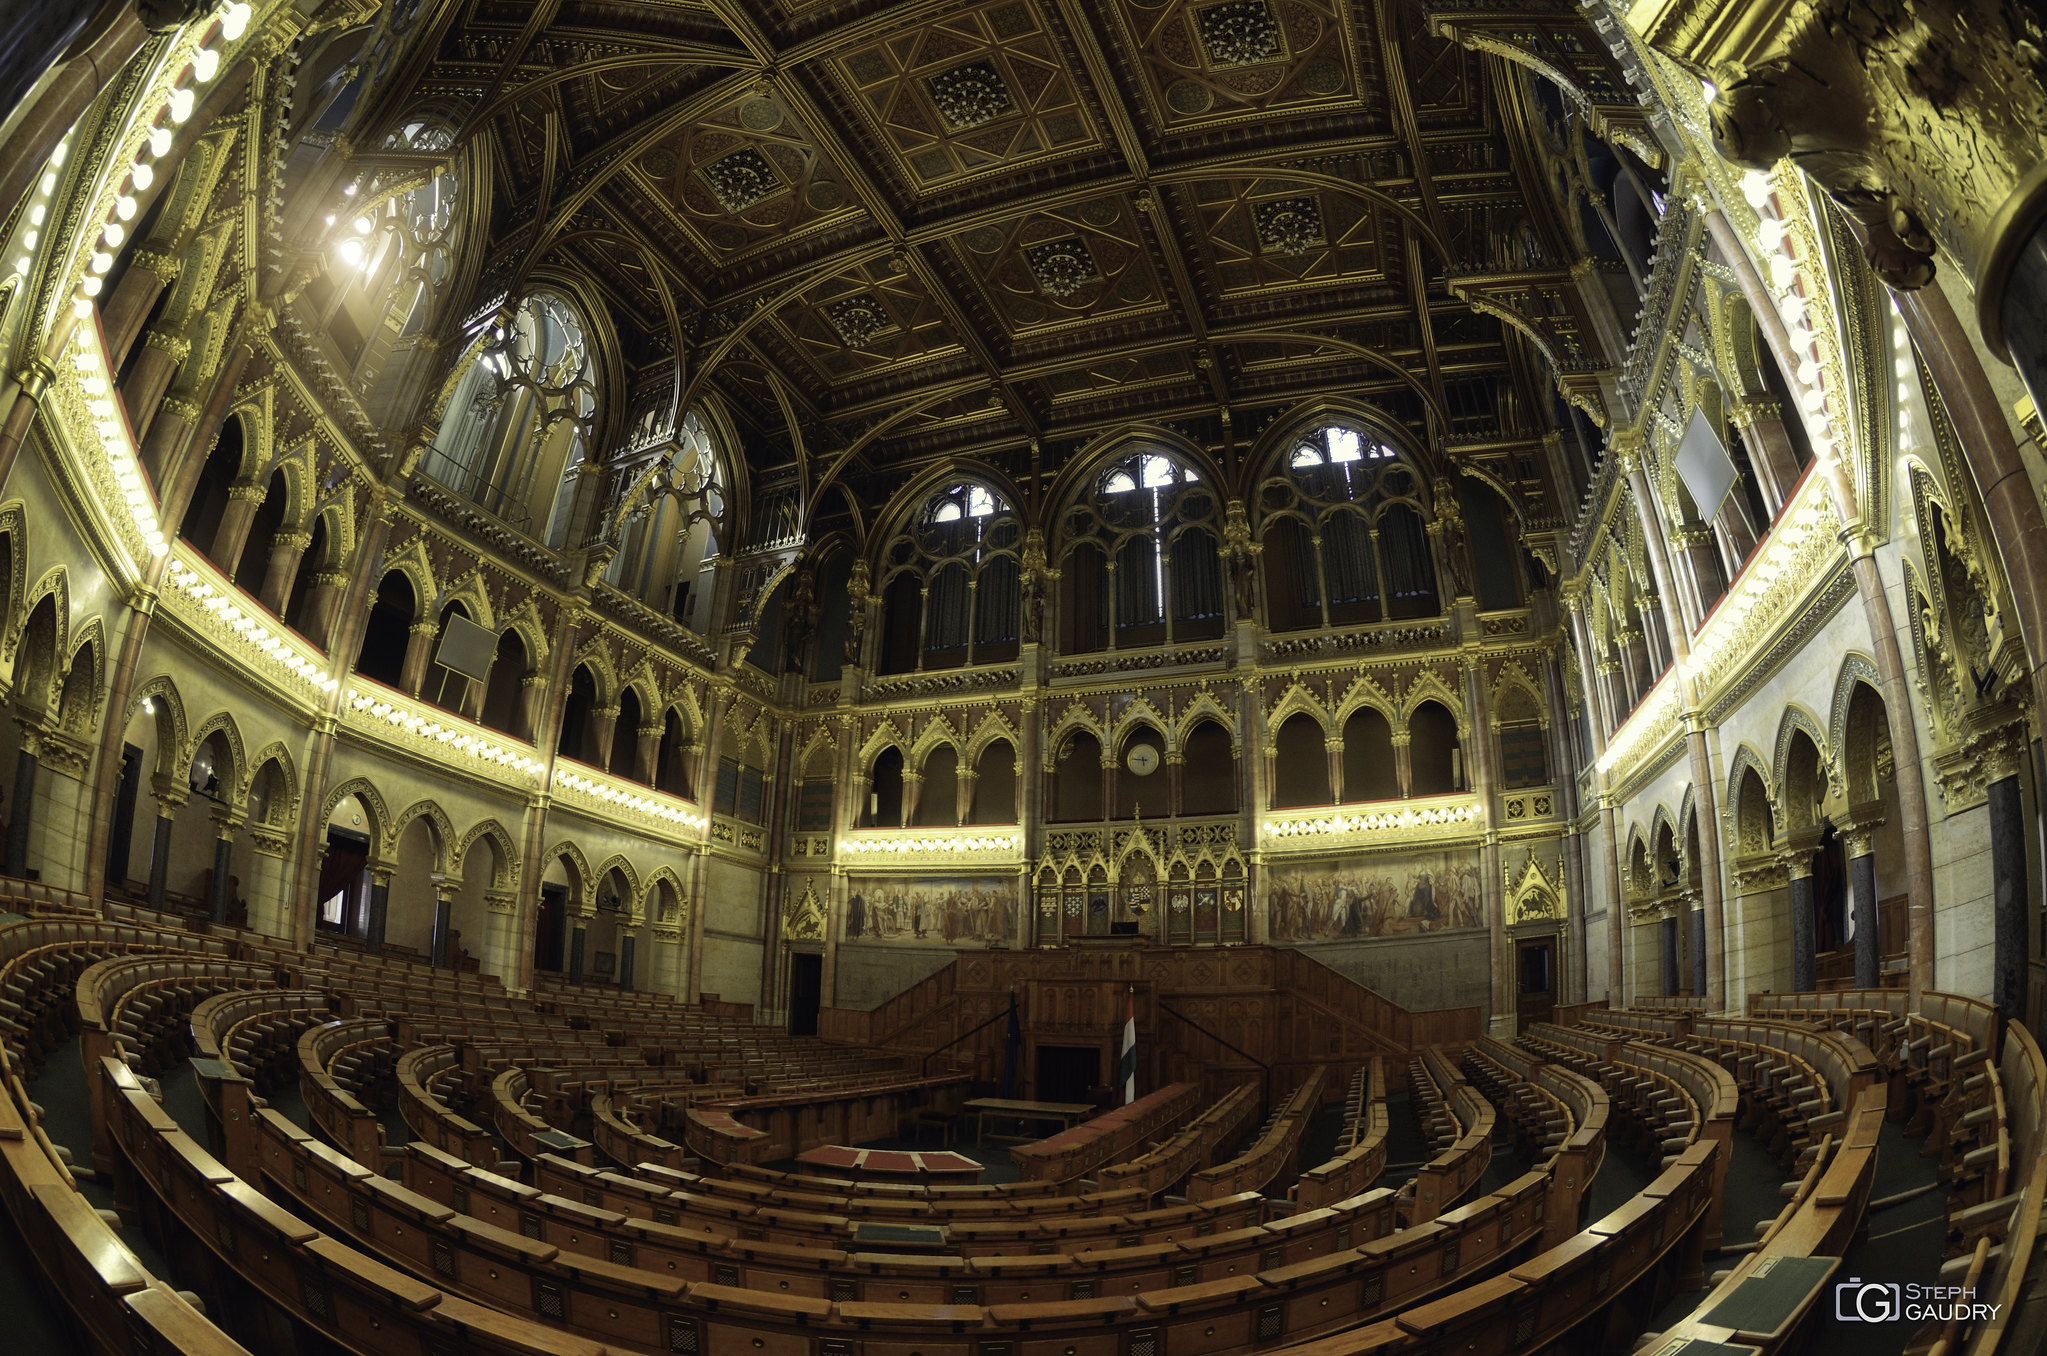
column 250, row 628
column 39, row 207
column 95, row 377
column 1375, row 821
column 458, row 738
column 629, row 800
column 1795, row 284
column 977, row 842
column 205, row 64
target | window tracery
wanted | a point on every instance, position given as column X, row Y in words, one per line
column 517, row 430
column 675, row 527
column 1344, row 526
column 950, row 582
column 1142, row 556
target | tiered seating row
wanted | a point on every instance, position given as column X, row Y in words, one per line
column 1188, row 1151
column 1360, row 1149
column 1074, row 1152
column 1459, row 1124
column 1271, row 1157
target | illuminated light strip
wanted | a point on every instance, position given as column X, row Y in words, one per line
column 1797, row 285
column 229, row 24
column 110, row 425
column 612, row 795
column 1375, row 821
column 979, row 842
column 31, row 234
column 250, row 628
column 463, row 739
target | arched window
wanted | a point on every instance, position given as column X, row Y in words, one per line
column 1524, row 752
column 1342, row 527
column 1435, row 758
column 672, row 531
column 950, row 583
column 517, row 430
column 1208, row 774
column 1301, row 772
column 388, row 264
column 1370, row 768
column 1141, row 565
column 388, row 630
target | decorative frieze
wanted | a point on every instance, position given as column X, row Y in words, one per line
column 1406, row 822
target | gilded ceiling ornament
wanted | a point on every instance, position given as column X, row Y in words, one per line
column 967, row 96
column 1062, row 267
column 1239, row 33
column 1289, row 226
column 859, row 319
column 741, row 179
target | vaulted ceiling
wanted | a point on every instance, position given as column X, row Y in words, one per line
column 929, row 228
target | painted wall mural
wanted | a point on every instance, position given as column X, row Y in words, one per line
column 936, row 911
column 1375, row 897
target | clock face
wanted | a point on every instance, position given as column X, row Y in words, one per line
column 1142, row 759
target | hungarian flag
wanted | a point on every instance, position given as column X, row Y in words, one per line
column 1126, row 1068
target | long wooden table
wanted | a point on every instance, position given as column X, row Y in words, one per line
column 1066, row 1113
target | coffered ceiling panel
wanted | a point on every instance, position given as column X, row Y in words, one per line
column 749, row 175
column 1271, row 232
column 1053, row 269
column 980, row 90
column 1216, row 61
column 860, row 322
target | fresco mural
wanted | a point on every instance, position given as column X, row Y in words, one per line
column 940, row 911
column 1375, row 897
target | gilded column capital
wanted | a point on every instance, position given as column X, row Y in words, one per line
column 175, row 347
column 165, row 266
column 248, row 494
column 427, row 628
column 187, row 410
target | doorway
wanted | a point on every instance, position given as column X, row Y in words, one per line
column 1536, row 1000
column 806, row 988
column 1067, row 1073
column 547, row 928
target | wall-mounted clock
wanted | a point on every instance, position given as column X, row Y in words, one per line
column 1142, row 759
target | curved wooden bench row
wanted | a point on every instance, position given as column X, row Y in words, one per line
column 849, row 1113
column 120, row 1308
column 1272, row 1157
column 1048, row 1263
column 257, row 1030
column 1561, row 1112
column 605, row 1301
column 525, row 1132
column 618, row 1139
column 430, row 1118
column 1534, row 1303
column 1455, row 1170
column 1079, row 1150
column 332, row 1104
column 1360, row 1149
column 1188, row 1151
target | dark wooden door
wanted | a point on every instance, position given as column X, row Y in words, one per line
column 547, row 929
column 806, row 987
column 1536, row 965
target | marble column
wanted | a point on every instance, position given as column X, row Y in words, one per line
column 419, row 652
column 647, row 753
column 223, row 863
column 1862, row 886
column 625, row 962
column 440, row 955
column 323, row 604
column 603, row 729
column 21, row 809
column 150, row 271
column 1804, row 924
column 963, row 797
column 500, row 934
column 913, row 795
column 160, row 848
column 380, row 908
column 150, row 377
column 269, row 876
column 1332, row 749
column 1695, row 916
column 532, row 707
column 2011, row 905
column 286, row 550
column 1666, row 929
column 1761, row 426
column 579, row 934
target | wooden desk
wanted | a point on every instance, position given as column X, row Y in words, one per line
column 1065, row 1113
column 892, row 1162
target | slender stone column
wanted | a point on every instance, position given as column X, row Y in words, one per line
column 625, row 962
column 441, row 956
column 1696, row 918
column 579, row 934
column 1109, row 808
column 1862, row 883
column 323, row 603
column 35, row 381
column 54, row 101
column 963, row 797
column 380, row 909
column 2011, row 906
column 1703, row 565
column 1760, row 424
column 149, row 273
column 176, row 450
column 21, row 810
column 1403, row 763
column 647, row 753
column 532, row 707
column 1332, row 749
column 913, row 795
column 286, row 550
column 603, row 728
column 500, row 934
column 223, row 862
column 419, row 653
column 1616, row 914
column 150, row 378
column 1666, row 930
column 1804, row 923
column 235, row 521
